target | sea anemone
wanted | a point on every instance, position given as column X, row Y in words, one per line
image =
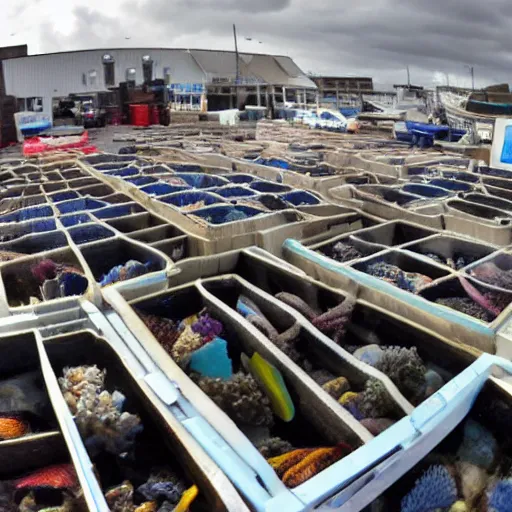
column 435, row 489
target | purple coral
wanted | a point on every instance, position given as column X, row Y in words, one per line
column 435, row 489
column 207, row 327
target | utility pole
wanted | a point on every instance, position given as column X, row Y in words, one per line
column 237, row 64
column 472, row 77
column 408, row 77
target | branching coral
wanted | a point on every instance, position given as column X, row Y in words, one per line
column 187, row 342
column 98, row 414
column 406, row 369
column 240, row 398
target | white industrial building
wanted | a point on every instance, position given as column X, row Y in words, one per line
column 36, row 79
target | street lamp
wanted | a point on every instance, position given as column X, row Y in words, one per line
column 471, row 69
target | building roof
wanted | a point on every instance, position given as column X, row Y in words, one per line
column 259, row 67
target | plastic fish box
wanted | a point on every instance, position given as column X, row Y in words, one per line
column 439, row 318
column 405, row 444
column 269, row 275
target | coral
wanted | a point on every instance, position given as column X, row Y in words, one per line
column 348, row 397
column 263, row 325
column 334, row 322
column 479, row 447
column 314, row 463
column 459, row 506
column 375, row 401
column 480, row 299
column 376, row 426
column 409, row 281
column 273, row 447
column 337, row 387
column 284, row 462
column 187, row 342
column 466, row 306
column 163, row 329
column 120, row 498
column 47, row 270
column 240, row 398
column 473, row 481
column 500, row 497
column 129, row 270
column 344, row 252
column 162, row 486
column 98, row 414
column 435, row 489
column 207, row 327
column 12, row 427
column 60, row 476
column 405, row 368
column 286, row 342
column 298, row 304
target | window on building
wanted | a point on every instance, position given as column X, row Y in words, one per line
column 131, row 75
column 20, row 105
column 35, row 104
column 147, row 68
column 109, row 70
column 93, row 78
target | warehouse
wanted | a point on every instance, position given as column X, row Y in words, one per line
column 219, row 76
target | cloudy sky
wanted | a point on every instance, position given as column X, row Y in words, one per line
column 438, row 39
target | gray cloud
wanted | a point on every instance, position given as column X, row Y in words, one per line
column 375, row 37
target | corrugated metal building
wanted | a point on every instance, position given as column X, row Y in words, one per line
column 39, row 78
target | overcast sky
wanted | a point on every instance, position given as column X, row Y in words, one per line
column 377, row 38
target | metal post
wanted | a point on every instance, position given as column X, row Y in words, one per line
column 408, row 77
column 237, row 63
column 472, row 78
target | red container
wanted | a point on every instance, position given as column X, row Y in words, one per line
column 155, row 115
column 139, row 115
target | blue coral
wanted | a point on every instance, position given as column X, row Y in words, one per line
column 500, row 498
column 479, row 447
column 435, row 489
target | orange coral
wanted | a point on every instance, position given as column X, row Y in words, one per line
column 283, row 463
column 313, row 464
column 12, row 428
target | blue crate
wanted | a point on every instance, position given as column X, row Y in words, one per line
column 240, row 178
column 64, row 196
column 221, row 214
column 235, row 192
column 425, row 190
column 181, row 199
column 118, row 211
column 197, row 180
column 75, row 220
column 33, row 212
column 80, row 205
column 300, row 197
column 451, row 185
column 141, row 181
column 128, row 171
column 162, row 189
column 90, row 233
